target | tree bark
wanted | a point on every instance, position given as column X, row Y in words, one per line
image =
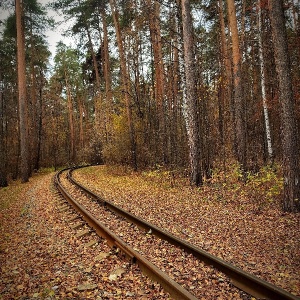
column 290, row 140
column 159, row 80
column 107, row 78
column 23, row 109
column 263, row 85
column 71, row 119
column 3, row 155
column 33, row 109
column 239, row 117
column 191, row 116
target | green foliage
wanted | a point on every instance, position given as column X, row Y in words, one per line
column 46, row 170
column 266, row 182
column 262, row 189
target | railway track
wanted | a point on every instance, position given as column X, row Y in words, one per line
column 191, row 270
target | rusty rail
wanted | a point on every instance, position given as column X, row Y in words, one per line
column 247, row 282
column 149, row 269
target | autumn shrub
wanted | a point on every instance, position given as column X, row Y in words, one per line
column 266, row 186
column 261, row 189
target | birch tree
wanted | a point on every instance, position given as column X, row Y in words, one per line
column 263, row 84
column 191, row 116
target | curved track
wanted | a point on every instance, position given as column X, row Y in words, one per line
column 244, row 281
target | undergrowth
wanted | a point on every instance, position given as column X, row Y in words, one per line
column 260, row 190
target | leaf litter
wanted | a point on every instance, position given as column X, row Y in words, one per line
column 41, row 259
column 227, row 222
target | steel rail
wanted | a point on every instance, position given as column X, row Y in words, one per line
column 172, row 287
column 247, row 282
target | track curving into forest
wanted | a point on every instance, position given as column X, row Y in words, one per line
column 184, row 270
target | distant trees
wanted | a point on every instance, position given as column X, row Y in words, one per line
column 68, row 76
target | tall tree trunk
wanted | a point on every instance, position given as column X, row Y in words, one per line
column 81, row 114
column 191, row 117
column 263, row 85
column 33, row 107
column 174, row 88
column 3, row 155
column 40, row 126
column 159, row 80
column 225, row 86
column 290, row 139
column 23, row 109
column 125, row 83
column 71, row 120
column 98, row 99
column 239, row 117
column 107, row 77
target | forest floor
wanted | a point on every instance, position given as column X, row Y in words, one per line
column 41, row 258
column 241, row 223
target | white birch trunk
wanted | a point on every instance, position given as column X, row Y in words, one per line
column 263, row 87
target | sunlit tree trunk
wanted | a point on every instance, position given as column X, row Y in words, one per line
column 125, row 83
column 71, row 120
column 23, row 109
column 290, row 139
column 263, row 85
column 191, row 117
column 239, row 118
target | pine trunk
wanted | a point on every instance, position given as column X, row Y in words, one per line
column 107, row 78
column 290, row 142
column 3, row 156
column 71, row 120
column 239, row 118
column 159, row 80
column 23, row 109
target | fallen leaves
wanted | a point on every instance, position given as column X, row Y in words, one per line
column 86, row 287
column 102, row 256
column 40, row 257
column 221, row 219
column 116, row 273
